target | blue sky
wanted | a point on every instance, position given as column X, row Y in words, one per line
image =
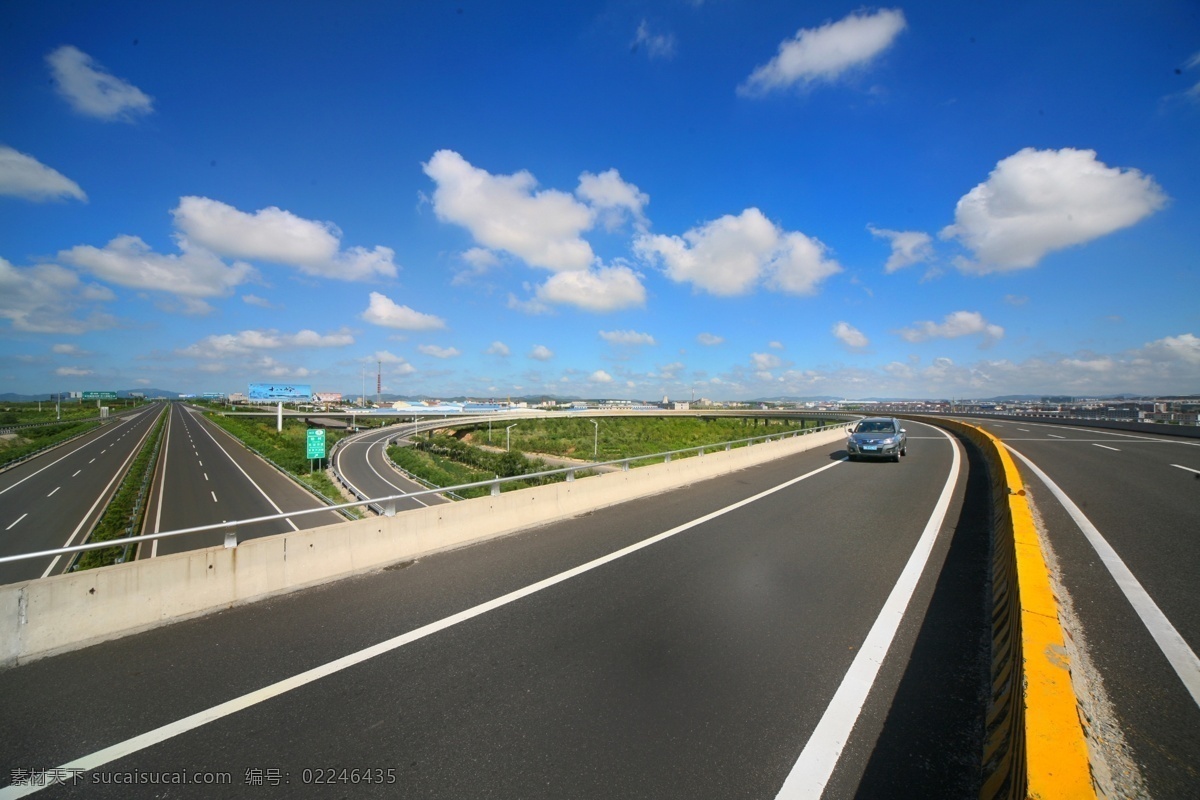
column 610, row 199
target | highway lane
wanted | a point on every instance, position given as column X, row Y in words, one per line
column 1142, row 496
column 686, row 645
column 206, row 476
column 363, row 463
column 54, row 500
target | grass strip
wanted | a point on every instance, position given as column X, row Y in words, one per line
column 19, row 444
column 125, row 511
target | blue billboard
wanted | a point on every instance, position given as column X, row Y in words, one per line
column 279, row 392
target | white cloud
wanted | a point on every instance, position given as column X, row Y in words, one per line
column 252, row 341
column 272, row 234
column 481, row 259
column 498, row 348
column 1185, row 348
column 1016, row 299
column 627, row 338
column 255, row 300
column 73, row 372
column 92, row 91
column 541, row 353
column 69, row 350
column 505, row 212
column 827, row 52
column 129, row 261
column 775, row 345
column 709, row 339
column 908, row 247
column 850, row 335
column 385, row 312
column 656, row 45
column 45, row 299
column 765, row 361
column 730, row 255
column 600, row 376
column 599, row 290
column 613, row 198
column 1037, row 201
column 953, row 326
column 439, row 352
column 24, row 176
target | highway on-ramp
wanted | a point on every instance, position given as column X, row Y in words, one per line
column 809, row 625
column 1122, row 514
column 55, row 499
column 362, row 462
column 205, row 476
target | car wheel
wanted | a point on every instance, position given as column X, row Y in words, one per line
column 850, row 457
column 896, row 459
column 904, row 452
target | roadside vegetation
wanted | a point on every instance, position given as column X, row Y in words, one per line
column 20, row 443
column 286, row 448
column 44, row 412
column 126, row 510
column 466, row 456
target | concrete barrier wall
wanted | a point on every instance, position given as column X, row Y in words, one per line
column 64, row 612
column 1036, row 744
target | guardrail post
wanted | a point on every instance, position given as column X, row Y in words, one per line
column 625, row 465
column 495, row 488
column 728, row 447
column 667, row 460
column 570, row 475
column 389, row 508
column 231, row 537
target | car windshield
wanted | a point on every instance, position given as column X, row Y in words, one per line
column 875, row 426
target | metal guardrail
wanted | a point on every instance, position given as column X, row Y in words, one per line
column 388, row 503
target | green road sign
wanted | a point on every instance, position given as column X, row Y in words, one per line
column 99, row 395
column 316, row 442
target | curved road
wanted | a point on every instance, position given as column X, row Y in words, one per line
column 364, row 465
column 1122, row 514
column 806, row 625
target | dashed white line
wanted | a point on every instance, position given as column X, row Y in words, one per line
column 1106, row 447
column 206, row 476
column 1026, row 430
column 214, row 494
column 1055, row 436
column 1189, row 469
column 23, row 516
column 77, row 472
column 92, row 461
column 56, row 488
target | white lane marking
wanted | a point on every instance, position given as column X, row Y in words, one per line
column 1189, row 469
column 385, row 480
column 206, row 476
column 214, row 494
column 1106, row 447
column 1026, row 430
column 68, row 455
column 92, row 461
column 56, row 488
column 76, row 472
column 278, row 510
column 120, row 472
column 23, row 516
column 1170, row 642
column 201, row 463
column 1055, row 436
column 162, row 485
column 813, row 768
column 201, row 718
column 105, row 450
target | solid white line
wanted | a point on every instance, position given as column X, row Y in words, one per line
column 811, row 772
column 23, row 516
column 201, row 718
column 56, row 488
column 385, row 480
column 1189, row 469
column 1106, row 447
column 1182, row 657
column 162, row 484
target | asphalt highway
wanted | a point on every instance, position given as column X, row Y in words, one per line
column 364, row 464
column 1140, row 494
column 206, row 476
column 809, row 623
column 54, row 500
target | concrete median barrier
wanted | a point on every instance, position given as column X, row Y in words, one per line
column 64, row 612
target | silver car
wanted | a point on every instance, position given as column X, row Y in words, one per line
column 877, row 437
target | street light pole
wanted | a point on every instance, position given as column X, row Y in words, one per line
column 507, row 437
column 596, row 440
